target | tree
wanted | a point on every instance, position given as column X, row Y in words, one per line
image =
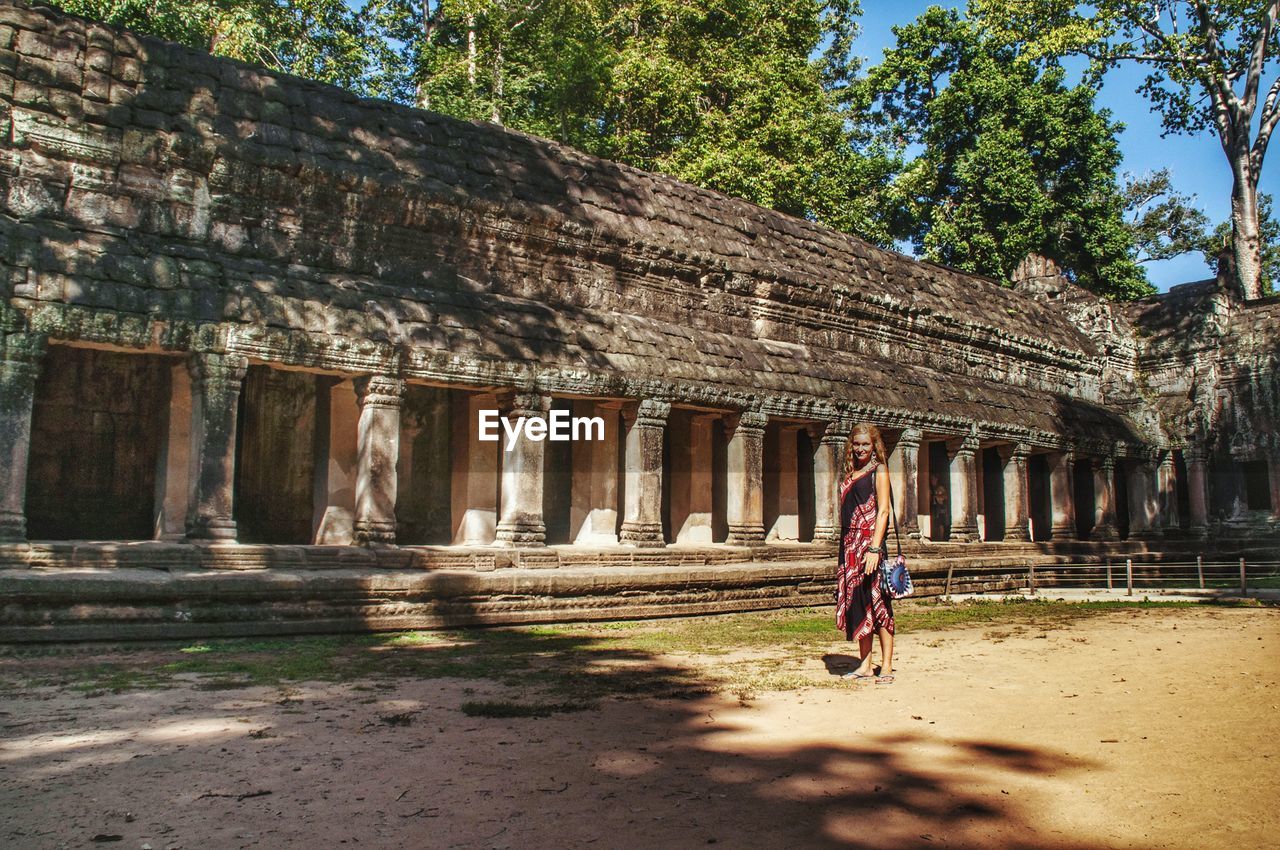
column 320, row 39
column 1213, row 245
column 1206, row 64
column 1010, row 161
column 1163, row 222
column 747, row 97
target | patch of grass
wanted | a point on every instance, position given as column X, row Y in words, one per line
column 505, row 708
column 572, row 664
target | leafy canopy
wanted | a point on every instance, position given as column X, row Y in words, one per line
column 1010, row 160
column 321, row 39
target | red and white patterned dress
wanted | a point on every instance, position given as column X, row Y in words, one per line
column 861, row 609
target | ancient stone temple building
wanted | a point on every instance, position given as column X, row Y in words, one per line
column 251, row 322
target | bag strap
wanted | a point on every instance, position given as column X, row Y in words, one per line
column 897, row 536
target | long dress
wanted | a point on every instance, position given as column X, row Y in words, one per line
column 861, row 608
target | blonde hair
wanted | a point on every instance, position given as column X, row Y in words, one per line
column 877, row 445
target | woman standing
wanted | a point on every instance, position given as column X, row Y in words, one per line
column 861, row 609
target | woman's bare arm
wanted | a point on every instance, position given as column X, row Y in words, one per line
column 882, row 507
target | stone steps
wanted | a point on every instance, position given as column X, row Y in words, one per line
column 62, row 592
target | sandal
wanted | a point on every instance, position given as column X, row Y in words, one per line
column 884, row 680
column 855, row 675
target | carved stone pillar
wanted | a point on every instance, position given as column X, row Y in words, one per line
column 1198, row 490
column 20, row 355
column 642, row 523
column 827, row 468
column 908, row 497
column 1144, row 508
column 1017, row 510
column 1062, row 496
column 745, row 501
column 215, row 398
column 377, row 453
column 964, row 490
column 521, row 522
column 1104, row 500
column 1168, row 487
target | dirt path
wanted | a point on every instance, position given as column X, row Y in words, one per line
column 1104, row 733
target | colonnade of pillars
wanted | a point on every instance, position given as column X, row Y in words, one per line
column 196, row 499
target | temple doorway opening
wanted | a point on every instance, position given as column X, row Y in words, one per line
column 98, row 424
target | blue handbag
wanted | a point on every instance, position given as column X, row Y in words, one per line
column 895, row 581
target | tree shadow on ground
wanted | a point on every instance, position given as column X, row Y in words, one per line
column 363, row 740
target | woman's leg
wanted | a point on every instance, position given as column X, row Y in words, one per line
column 864, row 653
column 886, row 652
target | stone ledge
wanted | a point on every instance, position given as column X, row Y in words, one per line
column 88, row 603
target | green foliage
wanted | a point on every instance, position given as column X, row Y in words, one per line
column 1164, row 223
column 1011, row 161
column 1190, row 46
column 320, row 39
column 743, row 96
column 1205, row 61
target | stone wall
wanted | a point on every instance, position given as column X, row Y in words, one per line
column 159, row 198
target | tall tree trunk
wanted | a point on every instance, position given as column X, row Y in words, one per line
column 1246, row 244
column 495, row 114
column 422, row 96
column 471, row 51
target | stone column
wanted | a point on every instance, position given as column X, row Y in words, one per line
column 215, row 398
column 908, row 451
column 1017, row 510
column 1198, row 489
column 745, row 492
column 1062, row 496
column 594, row 513
column 786, row 526
column 520, row 523
column 828, row 463
column 172, row 485
column 642, row 524
column 377, row 454
column 474, row 474
column 1104, row 500
column 964, row 490
column 1144, row 494
column 20, row 355
column 1168, row 489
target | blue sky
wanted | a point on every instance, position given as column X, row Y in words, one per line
column 1196, row 162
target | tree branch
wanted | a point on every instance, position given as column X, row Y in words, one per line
column 1257, row 60
column 1221, row 71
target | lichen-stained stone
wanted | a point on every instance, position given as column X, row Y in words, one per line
column 179, row 196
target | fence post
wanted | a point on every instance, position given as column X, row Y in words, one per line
column 1200, row 569
column 1244, row 588
column 1031, row 579
column 1108, row 573
column 947, row 591
column 1128, row 576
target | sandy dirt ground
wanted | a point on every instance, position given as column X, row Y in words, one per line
column 1106, row 732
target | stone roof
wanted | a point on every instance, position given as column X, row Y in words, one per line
column 170, row 191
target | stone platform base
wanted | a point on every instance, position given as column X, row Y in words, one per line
column 113, row 591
